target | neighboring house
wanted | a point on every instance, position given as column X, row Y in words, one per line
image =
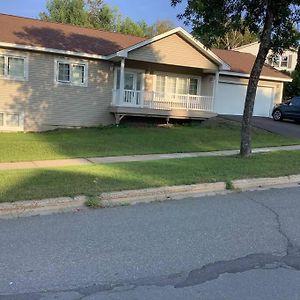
column 285, row 62
column 55, row 75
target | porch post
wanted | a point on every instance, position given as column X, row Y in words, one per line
column 215, row 88
column 122, row 80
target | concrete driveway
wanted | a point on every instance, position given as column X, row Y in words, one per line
column 235, row 246
column 286, row 128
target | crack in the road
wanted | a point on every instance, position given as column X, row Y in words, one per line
column 209, row 272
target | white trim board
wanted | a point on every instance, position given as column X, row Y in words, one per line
column 262, row 77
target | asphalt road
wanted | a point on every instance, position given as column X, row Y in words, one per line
column 287, row 128
column 238, row 246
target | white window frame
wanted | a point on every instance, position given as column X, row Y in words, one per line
column 5, row 127
column 6, row 75
column 71, row 63
column 280, row 61
column 177, row 76
column 287, row 61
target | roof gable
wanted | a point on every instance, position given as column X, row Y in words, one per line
column 173, row 50
column 188, row 38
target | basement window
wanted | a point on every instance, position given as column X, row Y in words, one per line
column 11, row 121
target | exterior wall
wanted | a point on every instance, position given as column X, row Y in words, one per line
column 172, row 50
column 207, row 85
column 253, row 49
column 48, row 105
column 277, row 86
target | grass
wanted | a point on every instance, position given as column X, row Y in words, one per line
column 94, row 180
column 93, row 202
column 89, row 142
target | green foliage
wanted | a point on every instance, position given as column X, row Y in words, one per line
column 68, row 12
column 235, row 38
column 229, row 185
column 159, row 27
column 93, row 202
column 292, row 88
column 213, row 20
column 97, row 14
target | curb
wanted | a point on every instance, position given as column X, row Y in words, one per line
column 131, row 197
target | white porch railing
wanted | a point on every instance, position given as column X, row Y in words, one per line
column 154, row 100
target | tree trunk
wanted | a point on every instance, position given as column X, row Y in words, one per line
column 298, row 60
column 265, row 44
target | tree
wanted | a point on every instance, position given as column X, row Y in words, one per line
column 159, row 27
column 293, row 88
column 235, row 38
column 94, row 14
column 102, row 16
column 272, row 20
column 66, row 11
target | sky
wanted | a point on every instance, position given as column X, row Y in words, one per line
column 148, row 10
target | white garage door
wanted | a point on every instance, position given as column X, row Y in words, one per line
column 231, row 98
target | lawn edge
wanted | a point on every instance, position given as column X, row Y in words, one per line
column 131, row 197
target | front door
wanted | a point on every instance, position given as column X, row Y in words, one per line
column 132, row 88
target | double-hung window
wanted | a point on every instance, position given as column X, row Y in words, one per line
column 71, row 73
column 177, row 85
column 13, row 67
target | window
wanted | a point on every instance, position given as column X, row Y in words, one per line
column 177, row 85
column 11, row 120
column 193, row 86
column 182, row 86
column 13, row 67
column 279, row 61
column 284, row 62
column 72, row 73
column 63, row 72
column 296, row 101
column 160, row 84
column 78, row 74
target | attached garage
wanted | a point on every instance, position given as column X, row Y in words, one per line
column 230, row 99
column 232, row 85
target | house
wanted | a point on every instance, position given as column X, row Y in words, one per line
column 56, row 75
column 284, row 62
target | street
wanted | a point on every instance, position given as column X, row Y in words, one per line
column 237, row 246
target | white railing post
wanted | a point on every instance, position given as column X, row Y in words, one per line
column 122, row 81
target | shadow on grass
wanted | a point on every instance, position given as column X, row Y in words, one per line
column 94, row 180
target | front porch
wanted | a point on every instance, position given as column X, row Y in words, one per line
column 150, row 92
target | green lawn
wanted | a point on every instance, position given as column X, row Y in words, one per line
column 93, row 180
column 113, row 141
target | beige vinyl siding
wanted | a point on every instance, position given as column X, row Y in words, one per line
column 172, row 50
column 277, row 86
column 207, row 85
column 48, row 105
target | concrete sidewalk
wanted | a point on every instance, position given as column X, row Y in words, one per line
column 130, row 158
